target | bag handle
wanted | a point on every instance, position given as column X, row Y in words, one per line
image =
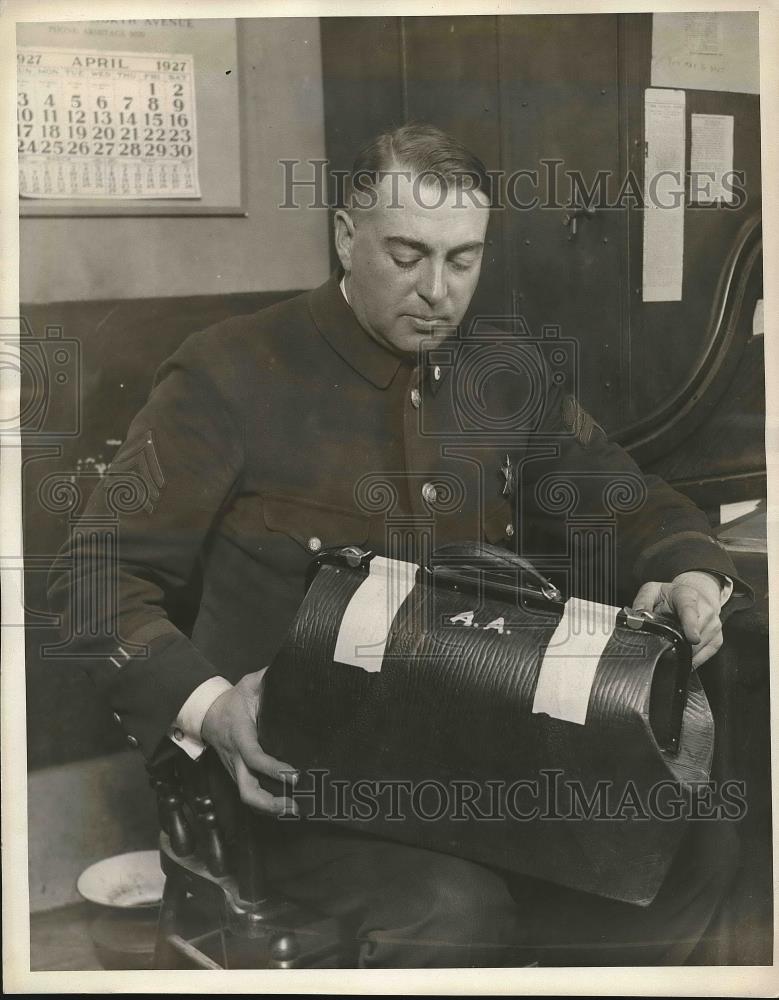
column 483, row 555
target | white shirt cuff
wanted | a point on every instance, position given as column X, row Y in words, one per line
column 726, row 592
column 185, row 731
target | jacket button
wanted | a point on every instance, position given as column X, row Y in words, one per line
column 416, row 398
column 117, row 718
column 509, row 531
column 131, row 741
column 437, row 373
column 429, row 493
column 314, row 544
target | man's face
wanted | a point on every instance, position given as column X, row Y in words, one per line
column 411, row 263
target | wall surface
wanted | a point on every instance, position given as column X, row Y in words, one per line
column 67, row 259
column 80, row 813
column 94, row 803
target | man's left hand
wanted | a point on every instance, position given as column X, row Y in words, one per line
column 694, row 597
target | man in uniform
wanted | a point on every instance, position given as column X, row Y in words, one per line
column 263, row 441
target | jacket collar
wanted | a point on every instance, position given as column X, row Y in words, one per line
column 335, row 320
column 338, row 325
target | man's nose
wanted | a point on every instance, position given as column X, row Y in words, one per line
column 431, row 285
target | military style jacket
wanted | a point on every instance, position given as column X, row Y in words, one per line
column 269, row 437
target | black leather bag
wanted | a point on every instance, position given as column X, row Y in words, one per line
column 443, row 739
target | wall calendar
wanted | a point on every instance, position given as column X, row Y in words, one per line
column 106, row 124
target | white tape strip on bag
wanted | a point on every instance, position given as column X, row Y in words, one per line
column 568, row 667
column 365, row 626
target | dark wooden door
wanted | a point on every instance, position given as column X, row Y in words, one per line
column 520, row 92
column 561, row 97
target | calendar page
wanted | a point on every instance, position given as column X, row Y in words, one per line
column 114, row 125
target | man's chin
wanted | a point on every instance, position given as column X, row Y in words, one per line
column 411, row 345
column 413, row 334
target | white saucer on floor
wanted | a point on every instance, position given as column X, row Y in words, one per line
column 126, row 880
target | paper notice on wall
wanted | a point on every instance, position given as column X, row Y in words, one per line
column 664, row 195
column 711, row 159
column 706, row 51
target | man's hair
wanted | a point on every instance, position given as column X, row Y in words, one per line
column 422, row 150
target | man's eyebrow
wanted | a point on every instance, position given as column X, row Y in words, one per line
column 424, row 248
column 406, row 241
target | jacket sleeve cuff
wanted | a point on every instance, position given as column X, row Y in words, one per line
column 185, row 731
column 681, row 552
column 151, row 686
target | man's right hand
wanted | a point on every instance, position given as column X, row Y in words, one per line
column 230, row 727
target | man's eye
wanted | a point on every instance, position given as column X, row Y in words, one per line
column 462, row 264
column 406, row 264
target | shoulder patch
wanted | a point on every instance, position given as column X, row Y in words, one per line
column 134, row 481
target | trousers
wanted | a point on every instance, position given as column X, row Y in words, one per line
column 407, row 907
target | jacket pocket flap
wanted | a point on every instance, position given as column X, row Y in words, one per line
column 314, row 525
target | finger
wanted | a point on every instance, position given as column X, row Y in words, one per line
column 685, row 603
column 707, row 612
column 262, row 801
column 706, row 651
column 257, row 760
column 246, row 743
column 258, row 798
column 711, row 641
column 708, row 620
column 647, row 597
column 710, row 630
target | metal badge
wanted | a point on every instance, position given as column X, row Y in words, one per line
column 507, row 470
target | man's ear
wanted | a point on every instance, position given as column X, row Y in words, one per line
column 344, row 235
